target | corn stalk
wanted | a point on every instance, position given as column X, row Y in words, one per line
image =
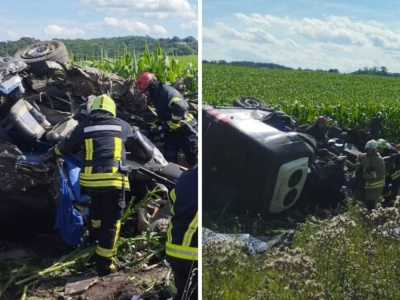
column 168, row 69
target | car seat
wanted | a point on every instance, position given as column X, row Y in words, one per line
column 26, row 120
column 61, row 130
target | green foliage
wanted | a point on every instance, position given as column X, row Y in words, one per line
column 229, row 272
column 129, row 64
column 381, row 71
column 349, row 100
column 353, row 255
column 249, row 64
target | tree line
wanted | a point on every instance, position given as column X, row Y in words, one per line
column 381, row 71
column 114, row 47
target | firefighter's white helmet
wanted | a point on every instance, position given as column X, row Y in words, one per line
column 372, row 144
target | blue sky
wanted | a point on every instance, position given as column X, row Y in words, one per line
column 71, row 19
column 313, row 34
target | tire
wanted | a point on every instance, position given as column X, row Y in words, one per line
column 36, row 56
column 248, row 102
column 42, row 51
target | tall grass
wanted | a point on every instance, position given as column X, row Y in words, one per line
column 355, row 255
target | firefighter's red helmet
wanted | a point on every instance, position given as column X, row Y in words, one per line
column 144, row 80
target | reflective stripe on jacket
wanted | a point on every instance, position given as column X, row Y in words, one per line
column 183, row 228
column 395, row 175
column 102, row 138
column 373, row 163
column 103, row 152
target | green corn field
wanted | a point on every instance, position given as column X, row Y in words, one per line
column 348, row 100
column 168, row 69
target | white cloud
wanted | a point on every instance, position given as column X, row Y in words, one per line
column 156, row 15
column 263, row 20
column 135, row 27
column 317, row 43
column 190, row 24
column 228, row 32
column 159, row 31
column 127, row 25
column 59, row 31
column 336, row 29
column 263, row 35
column 158, row 18
column 327, row 31
column 171, row 8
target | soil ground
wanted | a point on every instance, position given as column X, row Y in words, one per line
column 121, row 285
column 38, row 247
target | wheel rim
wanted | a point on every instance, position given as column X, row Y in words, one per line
column 251, row 102
column 37, row 51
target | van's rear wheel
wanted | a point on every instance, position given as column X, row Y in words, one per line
column 248, row 102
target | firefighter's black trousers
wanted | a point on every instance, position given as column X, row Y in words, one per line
column 105, row 211
column 186, row 276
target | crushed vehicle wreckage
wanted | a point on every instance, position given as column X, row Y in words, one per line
column 42, row 99
column 259, row 160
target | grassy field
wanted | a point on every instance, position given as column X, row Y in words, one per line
column 189, row 59
column 348, row 100
column 352, row 255
column 345, row 252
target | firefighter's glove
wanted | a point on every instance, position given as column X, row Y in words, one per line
column 51, row 153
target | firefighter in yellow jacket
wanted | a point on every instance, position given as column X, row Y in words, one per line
column 372, row 170
column 182, row 244
column 102, row 137
column 391, row 157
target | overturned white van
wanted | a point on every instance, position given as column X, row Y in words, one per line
column 249, row 164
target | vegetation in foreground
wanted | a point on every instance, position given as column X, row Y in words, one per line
column 27, row 277
column 348, row 100
column 352, row 255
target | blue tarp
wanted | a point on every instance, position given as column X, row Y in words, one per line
column 69, row 221
column 73, row 168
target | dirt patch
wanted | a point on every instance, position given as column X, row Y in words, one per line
column 124, row 285
column 121, row 285
column 80, row 282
